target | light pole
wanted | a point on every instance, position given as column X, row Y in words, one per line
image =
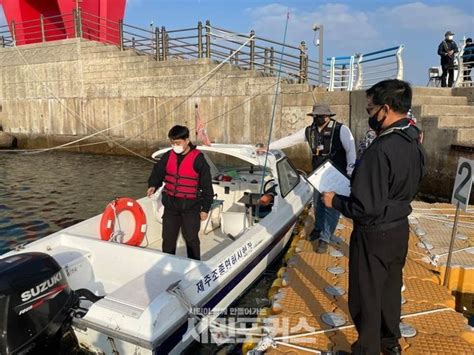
column 319, row 29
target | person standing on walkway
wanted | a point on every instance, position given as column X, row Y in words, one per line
column 468, row 59
column 328, row 140
column 187, row 194
column 447, row 51
column 382, row 188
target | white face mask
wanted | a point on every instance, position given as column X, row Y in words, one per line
column 177, row 149
column 450, row 38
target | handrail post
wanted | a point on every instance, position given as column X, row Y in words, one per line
column 359, row 80
column 266, row 58
column 163, row 44
column 79, row 23
column 331, row 74
column 272, row 54
column 167, row 45
column 400, row 62
column 12, row 25
column 460, row 76
column 199, row 28
column 43, row 39
column 350, row 82
column 157, row 43
column 252, row 49
column 74, row 22
column 2, row 41
column 208, row 39
column 133, row 42
column 306, row 67
column 302, row 47
column 121, row 34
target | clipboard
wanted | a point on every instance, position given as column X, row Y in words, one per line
column 329, row 178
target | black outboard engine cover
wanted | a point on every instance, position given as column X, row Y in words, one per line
column 35, row 302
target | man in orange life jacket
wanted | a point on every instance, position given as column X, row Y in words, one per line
column 187, row 194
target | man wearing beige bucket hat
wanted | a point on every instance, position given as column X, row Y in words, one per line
column 328, row 140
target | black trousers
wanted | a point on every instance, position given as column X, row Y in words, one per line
column 448, row 70
column 376, row 261
column 189, row 222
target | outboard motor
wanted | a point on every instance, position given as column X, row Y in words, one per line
column 35, row 303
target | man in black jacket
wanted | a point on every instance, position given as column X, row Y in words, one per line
column 382, row 187
column 447, row 51
column 187, row 194
column 468, row 59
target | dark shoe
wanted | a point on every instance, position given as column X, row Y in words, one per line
column 393, row 350
column 322, row 247
column 315, row 234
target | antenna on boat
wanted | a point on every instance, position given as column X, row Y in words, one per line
column 275, row 97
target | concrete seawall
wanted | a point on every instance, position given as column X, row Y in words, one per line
column 60, row 91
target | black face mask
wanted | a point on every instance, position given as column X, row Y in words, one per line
column 319, row 120
column 374, row 123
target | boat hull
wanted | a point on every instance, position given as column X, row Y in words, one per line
column 179, row 339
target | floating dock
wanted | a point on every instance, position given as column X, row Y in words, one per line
column 310, row 314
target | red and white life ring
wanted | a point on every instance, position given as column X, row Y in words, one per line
column 112, row 211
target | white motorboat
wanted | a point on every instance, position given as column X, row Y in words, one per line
column 139, row 300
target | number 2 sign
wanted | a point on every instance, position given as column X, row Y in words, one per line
column 463, row 183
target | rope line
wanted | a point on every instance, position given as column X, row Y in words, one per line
column 209, row 74
column 73, row 113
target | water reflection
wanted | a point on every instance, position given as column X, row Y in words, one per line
column 43, row 193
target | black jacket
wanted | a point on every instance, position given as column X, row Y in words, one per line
column 205, row 190
column 386, row 180
column 443, row 49
column 468, row 55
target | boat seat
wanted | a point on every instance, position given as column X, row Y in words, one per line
column 233, row 223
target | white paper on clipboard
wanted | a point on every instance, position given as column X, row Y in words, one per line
column 328, row 178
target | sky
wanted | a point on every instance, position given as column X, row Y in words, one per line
column 358, row 26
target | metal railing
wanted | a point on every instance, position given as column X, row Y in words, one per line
column 465, row 65
column 206, row 41
column 202, row 41
column 360, row 71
